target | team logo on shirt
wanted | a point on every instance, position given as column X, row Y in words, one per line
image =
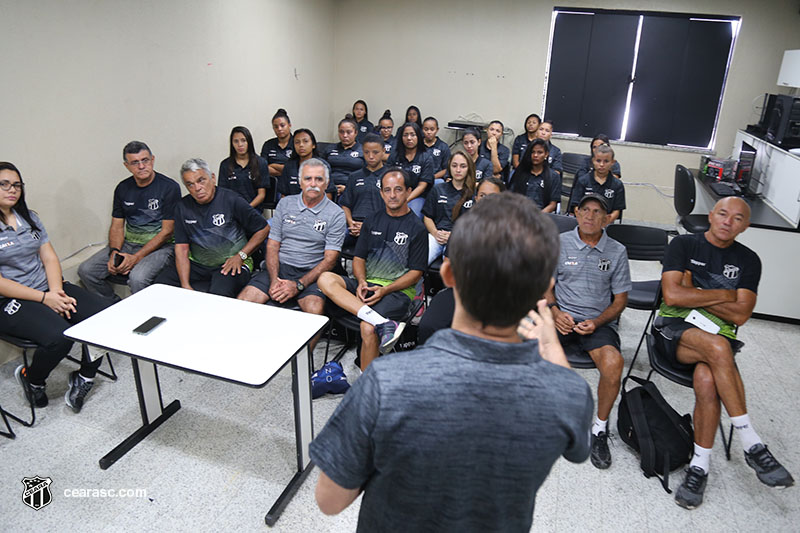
column 363, row 128
column 288, row 152
column 541, row 183
column 12, row 307
column 416, row 169
column 437, row 152
column 152, row 204
column 319, row 225
column 604, row 265
column 7, row 244
column 218, row 219
column 355, row 154
column 35, row 235
column 128, row 203
column 478, row 174
column 400, row 238
column 608, row 193
column 467, row 204
column 730, row 271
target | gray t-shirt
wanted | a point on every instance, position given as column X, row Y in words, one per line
column 19, row 252
column 457, row 435
column 586, row 277
column 306, row 232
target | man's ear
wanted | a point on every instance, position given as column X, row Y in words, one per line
column 446, row 272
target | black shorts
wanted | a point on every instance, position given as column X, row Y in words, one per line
column 393, row 306
column 605, row 335
column 667, row 333
column 261, row 281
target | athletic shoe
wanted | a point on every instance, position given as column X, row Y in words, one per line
column 77, row 391
column 35, row 394
column 601, row 455
column 690, row 494
column 389, row 333
column 769, row 471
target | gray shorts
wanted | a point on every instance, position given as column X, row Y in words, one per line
column 605, row 335
column 261, row 281
column 667, row 333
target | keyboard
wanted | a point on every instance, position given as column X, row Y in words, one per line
column 725, row 188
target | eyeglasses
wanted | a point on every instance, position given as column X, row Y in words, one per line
column 7, row 185
column 140, row 162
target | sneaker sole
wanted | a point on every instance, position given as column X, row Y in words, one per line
column 601, row 466
column 387, row 347
column 66, row 395
column 686, row 505
column 770, row 485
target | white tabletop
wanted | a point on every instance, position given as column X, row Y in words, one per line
column 221, row 337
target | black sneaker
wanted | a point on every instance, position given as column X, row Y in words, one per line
column 35, row 394
column 601, row 455
column 389, row 333
column 690, row 494
column 77, row 391
column 769, row 471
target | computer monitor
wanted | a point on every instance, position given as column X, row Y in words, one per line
column 745, row 170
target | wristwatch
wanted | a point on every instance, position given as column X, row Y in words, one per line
column 242, row 255
column 300, row 286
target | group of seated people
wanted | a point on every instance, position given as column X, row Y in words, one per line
column 396, row 202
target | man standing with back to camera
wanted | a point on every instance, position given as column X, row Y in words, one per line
column 464, row 443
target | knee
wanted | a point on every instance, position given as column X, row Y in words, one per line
column 325, row 281
column 137, row 281
column 718, row 351
column 312, row 304
column 705, row 388
column 252, row 294
column 367, row 331
column 611, row 363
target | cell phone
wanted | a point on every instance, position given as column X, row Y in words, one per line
column 149, row 325
column 118, row 259
column 702, row 322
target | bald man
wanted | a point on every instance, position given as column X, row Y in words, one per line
column 709, row 283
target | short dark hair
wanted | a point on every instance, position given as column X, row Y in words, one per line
column 372, row 138
column 397, row 170
column 503, row 252
column 134, row 147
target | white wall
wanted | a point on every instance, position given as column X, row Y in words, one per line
column 454, row 58
column 81, row 79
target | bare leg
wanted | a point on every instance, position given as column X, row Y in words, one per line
column 253, row 294
column 369, row 344
column 609, row 362
column 333, row 286
column 706, row 407
column 316, row 306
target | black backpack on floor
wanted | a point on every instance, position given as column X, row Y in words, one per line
column 649, row 425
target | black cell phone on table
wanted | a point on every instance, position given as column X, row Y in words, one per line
column 149, row 325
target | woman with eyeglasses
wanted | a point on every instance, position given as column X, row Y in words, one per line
column 243, row 171
column 37, row 304
column 385, row 128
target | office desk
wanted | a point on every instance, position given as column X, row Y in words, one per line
column 190, row 341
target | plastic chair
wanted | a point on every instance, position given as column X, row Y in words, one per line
column 685, row 198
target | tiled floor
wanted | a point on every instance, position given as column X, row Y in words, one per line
column 220, row 462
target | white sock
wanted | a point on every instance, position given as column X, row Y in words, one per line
column 84, row 378
column 747, row 435
column 368, row 314
column 599, row 426
column 701, row 457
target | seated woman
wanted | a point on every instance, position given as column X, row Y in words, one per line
column 38, row 304
column 345, row 157
column 601, row 181
column 278, row 150
column 363, row 125
column 437, row 148
column 439, row 313
column 544, row 132
column 521, row 142
column 471, row 142
column 447, row 201
column 305, row 147
column 495, row 151
column 410, row 155
column 413, row 115
column 243, row 171
column 599, row 140
column 534, row 178
column 385, row 129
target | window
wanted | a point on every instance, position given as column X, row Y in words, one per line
column 645, row 77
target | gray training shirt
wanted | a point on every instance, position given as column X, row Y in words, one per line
column 19, row 253
column 306, row 232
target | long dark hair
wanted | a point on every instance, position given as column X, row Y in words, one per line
column 20, row 207
column 469, row 188
column 314, row 151
column 400, row 147
column 419, row 115
column 252, row 158
column 519, row 182
column 366, row 109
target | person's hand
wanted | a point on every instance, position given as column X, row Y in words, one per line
column 233, row 264
column 442, row 236
column 128, row 262
column 110, row 265
column 340, row 189
column 491, row 143
column 282, row 290
column 355, row 228
column 363, row 290
column 541, row 326
column 587, row 327
column 376, row 292
column 563, row 321
column 60, row 302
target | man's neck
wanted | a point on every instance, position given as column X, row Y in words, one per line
column 591, row 240
column 145, row 182
column 465, row 323
column 399, row 212
column 716, row 242
column 312, row 204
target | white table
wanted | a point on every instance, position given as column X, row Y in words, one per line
column 201, row 335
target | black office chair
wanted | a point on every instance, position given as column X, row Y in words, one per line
column 643, row 243
column 563, row 222
column 684, row 200
column 572, row 162
column 682, row 375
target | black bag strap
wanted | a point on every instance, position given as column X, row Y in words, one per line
column 647, row 449
column 674, row 417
